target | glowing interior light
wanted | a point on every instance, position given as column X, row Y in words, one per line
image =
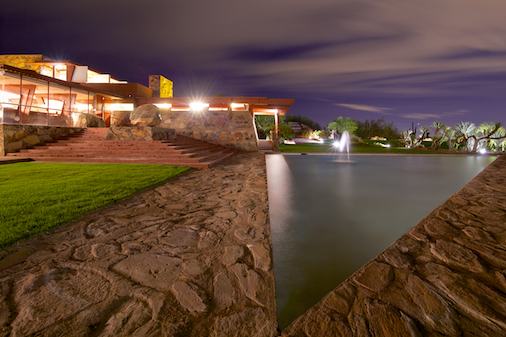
column 4, row 96
column 218, row 109
column 120, row 106
column 198, row 106
column 99, row 78
column 83, row 107
column 55, row 105
column 163, row 105
column 238, row 106
column 482, row 151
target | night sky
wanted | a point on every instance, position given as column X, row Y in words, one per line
column 408, row 61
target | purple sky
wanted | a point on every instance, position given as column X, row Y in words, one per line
column 409, row 61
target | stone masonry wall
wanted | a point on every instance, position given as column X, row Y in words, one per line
column 16, row 137
column 232, row 129
column 22, row 61
column 445, row 277
column 139, row 133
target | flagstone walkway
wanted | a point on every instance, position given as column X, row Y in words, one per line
column 191, row 257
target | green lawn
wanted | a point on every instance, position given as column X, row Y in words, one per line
column 366, row 147
column 35, row 197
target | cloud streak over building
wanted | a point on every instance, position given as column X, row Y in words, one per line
column 416, row 60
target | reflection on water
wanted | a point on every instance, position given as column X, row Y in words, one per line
column 329, row 217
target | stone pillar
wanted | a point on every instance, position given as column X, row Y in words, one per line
column 276, row 122
column 2, row 141
column 274, row 140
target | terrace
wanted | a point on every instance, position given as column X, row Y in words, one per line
column 192, row 257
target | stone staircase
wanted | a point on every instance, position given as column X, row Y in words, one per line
column 89, row 146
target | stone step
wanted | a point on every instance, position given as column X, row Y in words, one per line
column 12, row 160
column 105, row 146
column 90, row 146
column 94, row 148
column 193, row 157
column 99, row 154
column 200, row 164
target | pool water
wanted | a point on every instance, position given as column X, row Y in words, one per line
column 329, row 216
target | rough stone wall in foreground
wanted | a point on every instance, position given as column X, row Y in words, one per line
column 16, row 137
column 445, row 277
column 233, row 129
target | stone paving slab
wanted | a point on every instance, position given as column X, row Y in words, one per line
column 191, row 257
column 444, row 277
column 10, row 160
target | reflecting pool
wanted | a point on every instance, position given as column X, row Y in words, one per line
column 329, row 216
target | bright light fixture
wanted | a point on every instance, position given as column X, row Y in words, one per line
column 482, row 151
column 198, row 106
column 163, row 105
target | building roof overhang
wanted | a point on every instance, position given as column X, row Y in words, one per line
column 34, row 74
column 257, row 105
column 54, row 62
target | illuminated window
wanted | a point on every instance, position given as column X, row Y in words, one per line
column 238, row 106
column 218, row 107
column 163, row 105
column 46, row 71
column 119, row 106
column 180, row 108
column 60, row 72
column 59, row 99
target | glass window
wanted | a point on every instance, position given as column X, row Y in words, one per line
column 60, row 72
column 83, row 101
column 59, row 105
column 46, row 71
column 10, row 96
column 34, row 97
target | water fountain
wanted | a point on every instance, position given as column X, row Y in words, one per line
column 343, row 141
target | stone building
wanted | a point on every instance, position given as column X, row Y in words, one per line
column 40, row 92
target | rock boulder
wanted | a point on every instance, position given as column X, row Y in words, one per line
column 146, row 115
